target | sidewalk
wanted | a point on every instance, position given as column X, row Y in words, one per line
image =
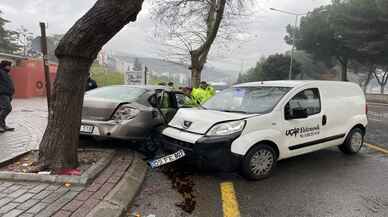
column 29, row 117
column 110, row 193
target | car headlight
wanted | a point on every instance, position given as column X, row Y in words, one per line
column 125, row 113
column 227, row 128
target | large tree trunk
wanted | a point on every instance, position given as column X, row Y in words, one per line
column 76, row 52
column 58, row 148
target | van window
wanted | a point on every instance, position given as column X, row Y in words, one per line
column 308, row 99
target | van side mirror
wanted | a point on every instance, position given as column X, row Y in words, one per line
column 297, row 113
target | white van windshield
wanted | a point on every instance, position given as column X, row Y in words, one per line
column 258, row 100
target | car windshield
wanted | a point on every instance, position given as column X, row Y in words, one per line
column 247, row 99
column 122, row 93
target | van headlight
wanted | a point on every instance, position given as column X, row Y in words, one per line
column 227, row 128
column 125, row 113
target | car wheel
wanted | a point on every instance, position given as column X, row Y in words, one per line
column 259, row 162
column 353, row 142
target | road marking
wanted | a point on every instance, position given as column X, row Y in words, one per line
column 229, row 200
column 376, row 104
column 377, row 148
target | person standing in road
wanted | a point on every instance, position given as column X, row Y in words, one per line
column 203, row 92
column 7, row 90
column 91, row 84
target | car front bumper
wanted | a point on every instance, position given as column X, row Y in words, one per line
column 207, row 153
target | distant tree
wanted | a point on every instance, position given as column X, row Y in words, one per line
column 192, row 26
column 253, row 74
column 24, row 39
column 381, row 76
column 137, row 66
column 276, row 67
column 363, row 25
column 310, row 68
column 8, row 38
column 318, row 36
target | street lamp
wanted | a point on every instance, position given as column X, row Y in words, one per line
column 293, row 37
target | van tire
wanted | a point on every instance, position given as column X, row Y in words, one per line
column 351, row 145
column 257, row 153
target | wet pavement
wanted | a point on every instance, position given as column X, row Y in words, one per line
column 326, row 183
column 29, row 118
column 378, row 125
column 321, row 184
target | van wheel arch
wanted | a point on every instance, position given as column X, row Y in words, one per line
column 269, row 143
column 347, row 147
column 360, row 126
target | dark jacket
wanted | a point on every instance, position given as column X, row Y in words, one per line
column 6, row 84
column 91, row 84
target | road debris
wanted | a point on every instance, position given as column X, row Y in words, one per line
column 182, row 181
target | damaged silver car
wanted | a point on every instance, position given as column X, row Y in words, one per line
column 128, row 112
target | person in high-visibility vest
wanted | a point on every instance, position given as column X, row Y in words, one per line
column 203, row 92
column 189, row 101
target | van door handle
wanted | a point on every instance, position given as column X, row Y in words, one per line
column 324, row 120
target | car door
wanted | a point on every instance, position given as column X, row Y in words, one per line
column 303, row 133
column 168, row 105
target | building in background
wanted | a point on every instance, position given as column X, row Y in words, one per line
column 28, row 75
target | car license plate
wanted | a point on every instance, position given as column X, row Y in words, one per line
column 167, row 159
column 86, row 129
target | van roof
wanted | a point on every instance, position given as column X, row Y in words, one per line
column 291, row 83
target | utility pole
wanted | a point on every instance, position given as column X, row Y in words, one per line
column 145, row 75
column 293, row 36
column 43, row 43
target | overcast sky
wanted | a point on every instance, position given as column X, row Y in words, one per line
column 267, row 27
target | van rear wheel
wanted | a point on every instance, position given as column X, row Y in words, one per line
column 353, row 142
column 259, row 162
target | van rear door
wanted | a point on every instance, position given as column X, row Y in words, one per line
column 303, row 120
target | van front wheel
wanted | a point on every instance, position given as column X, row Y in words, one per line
column 353, row 142
column 259, row 162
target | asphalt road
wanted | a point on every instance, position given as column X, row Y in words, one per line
column 326, row 183
column 377, row 132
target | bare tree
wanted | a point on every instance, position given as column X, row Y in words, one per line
column 192, row 27
column 76, row 53
column 24, row 39
column 382, row 78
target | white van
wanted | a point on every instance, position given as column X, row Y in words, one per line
column 251, row 126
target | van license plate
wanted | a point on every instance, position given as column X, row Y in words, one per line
column 167, row 159
column 86, row 129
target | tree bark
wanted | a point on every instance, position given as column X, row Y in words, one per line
column 199, row 56
column 76, row 53
column 370, row 73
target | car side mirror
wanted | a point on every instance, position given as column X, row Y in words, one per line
column 297, row 113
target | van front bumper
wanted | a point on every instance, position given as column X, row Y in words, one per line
column 207, row 153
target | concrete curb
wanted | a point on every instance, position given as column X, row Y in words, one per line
column 84, row 179
column 115, row 204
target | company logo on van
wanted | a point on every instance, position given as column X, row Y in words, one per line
column 187, row 124
column 303, row 131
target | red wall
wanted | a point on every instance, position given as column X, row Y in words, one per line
column 29, row 80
